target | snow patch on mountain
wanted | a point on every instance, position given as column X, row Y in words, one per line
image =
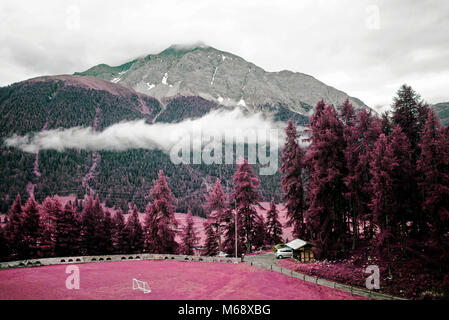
column 164, row 79
column 213, row 76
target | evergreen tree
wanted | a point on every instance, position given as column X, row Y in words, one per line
column 387, row 127
column 409, row 112
column 247, row 197
column 216, row 204
column 30, row 229
column 292, row 181
column 160, row 223
column 368, row 129
column 274, row 227
column 383, row 167
column 51, row 209
column 68, row 232
column 326, row 162
column 189, row 237
column 352, row 178
column 118, row 232
column 133, row 233
column 211, row 241
column 108, row 228
column 150, row 230
column 404, row 184
column 433, row 167
column 229, row 234
column 259, row 236
column 92, row 233
column 13, row 229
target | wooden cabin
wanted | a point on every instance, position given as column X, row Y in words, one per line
column 302, row 250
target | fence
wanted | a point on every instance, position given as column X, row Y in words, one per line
column 322, row 282
column 110, row 258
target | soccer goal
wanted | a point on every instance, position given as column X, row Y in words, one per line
column 141, row 285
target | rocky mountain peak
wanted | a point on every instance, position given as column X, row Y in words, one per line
column 221, row 77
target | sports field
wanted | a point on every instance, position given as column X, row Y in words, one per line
column 168, row 280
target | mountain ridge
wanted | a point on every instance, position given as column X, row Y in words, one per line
column 221, row 77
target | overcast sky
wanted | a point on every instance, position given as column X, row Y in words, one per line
column 367, row 48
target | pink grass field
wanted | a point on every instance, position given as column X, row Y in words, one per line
column 168, row 280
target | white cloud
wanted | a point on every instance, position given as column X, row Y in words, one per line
column 140, row 135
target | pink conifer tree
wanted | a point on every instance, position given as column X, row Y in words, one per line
column 134, row 234
column 274, row 227
column 13, row 229
column 326, row 162
column 30, row 229
column 247, row 197
column 160, row 223
column 50, row 211
column 433, row 167
column 292, row 181
column 189, row 237
column 383, row 166
column 68, row 232
column 118, row 232
column 216, row 204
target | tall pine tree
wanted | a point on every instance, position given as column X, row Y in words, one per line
column 189, row 237
column 68, row 232
column 433, row 167
column 247, row 197
column 383, row 167
column 30, row 229
column 13, row 229
column 274, row 227
column 133, row 240
column 292, row 181
column 216, row 204
column 118, row 232
column 160, row 222
column 327, row 165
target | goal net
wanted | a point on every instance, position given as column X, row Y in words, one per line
column 141, row 285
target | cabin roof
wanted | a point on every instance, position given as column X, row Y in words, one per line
column 297, row 244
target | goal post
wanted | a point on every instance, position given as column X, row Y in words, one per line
column 141, row 285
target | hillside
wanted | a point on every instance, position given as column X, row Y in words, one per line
column 118, row 177
column 442, row 110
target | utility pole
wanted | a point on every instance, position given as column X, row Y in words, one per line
column 235, row 208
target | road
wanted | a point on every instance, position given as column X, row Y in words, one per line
column 265, row 260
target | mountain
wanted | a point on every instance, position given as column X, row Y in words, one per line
column 177, row 84
column 442, row 110
column 221, row 77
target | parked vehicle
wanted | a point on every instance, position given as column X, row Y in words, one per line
column 284, row 253
column 222, row 254
column 278, row 246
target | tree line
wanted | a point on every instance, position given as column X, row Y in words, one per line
column 52, row 229
column 377, row 182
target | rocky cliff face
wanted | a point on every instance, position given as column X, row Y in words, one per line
column 221, row 77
